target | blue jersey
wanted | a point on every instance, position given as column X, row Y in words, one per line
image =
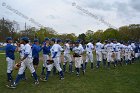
column 35, row 50
column 46, row 49
column 10, row 49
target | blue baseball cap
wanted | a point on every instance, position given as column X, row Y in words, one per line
column 53, row 39
column 8, row 38
column 36, row 40
column 26, row 39
column 46, row 39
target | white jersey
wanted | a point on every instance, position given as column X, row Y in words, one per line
column 28, row 50
column 89, row 47
column 66, row 48
column 98, row 47
column 133, row 45
column 56, row 48
column 117, row 47
column 80, row 45
column 78, row 50
column 22, row 49
column 109, row 47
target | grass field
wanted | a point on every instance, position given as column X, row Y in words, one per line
column 124, row 79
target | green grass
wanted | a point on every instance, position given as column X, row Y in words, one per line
column 124, row 79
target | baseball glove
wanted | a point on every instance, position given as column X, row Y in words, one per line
column 76, row 55
column 17, row 66
column 50, row 62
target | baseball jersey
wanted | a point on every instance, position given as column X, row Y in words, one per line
column 117, row 47
column 56, row 48
column 109, row 47
column 28, row 50
column 35, row 50
column 98, row 47
column 66, row 48
column 89, row 47
column 10, row 49
column 22, row 49
column 78, row 50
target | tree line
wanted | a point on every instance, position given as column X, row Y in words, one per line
column 125, row 33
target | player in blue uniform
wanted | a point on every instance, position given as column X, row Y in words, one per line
column 46, row 52
column 35, row 53
column 26, row 61
column 10, row 58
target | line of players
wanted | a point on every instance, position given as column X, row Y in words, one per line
column 108, row 52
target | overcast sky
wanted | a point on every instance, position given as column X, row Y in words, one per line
column 65, row 18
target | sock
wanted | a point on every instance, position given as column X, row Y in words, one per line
column 61, row 74
column 9, row 76
column 85, row 65
column 82, row 66
column 108, row 64
column 91, row 65
column 78, row 71
column 42, row 73
column 18, row 79
column 104, row 62
column 54, row 70
column 35, row 76
column 23, row 75
column 47, row 75
column 64, row 67
column 70, row 67
column 98, row 63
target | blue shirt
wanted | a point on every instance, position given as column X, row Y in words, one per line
column 46, row 49
column 35, row 50
column 10, row 49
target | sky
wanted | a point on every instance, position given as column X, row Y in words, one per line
column 64, row 17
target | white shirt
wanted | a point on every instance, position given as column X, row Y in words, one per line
column 28, row 50
column 117, row 47
column 78, row 50
column 89, row 47
column 109, row 47
column 22, row 49
column 98, row 47
column 56, row 48
column 66, row 48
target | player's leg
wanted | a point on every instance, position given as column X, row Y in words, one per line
column 77, row 65
column 87, row 60
column 10, row 65
column 65, row 63
column 35, row 63
column 57, row 65
column 44, row 65
column 70, row 63
column 29, row 65
column 49, row 66
column 91, row 59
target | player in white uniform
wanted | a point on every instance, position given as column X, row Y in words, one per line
column 98, row 48
column 26, row 61
column 55, row 49
column 110, row 51
column 78, row 51
column 89, row 54
column 67, row 56
column 104, row 54
column 117, row 50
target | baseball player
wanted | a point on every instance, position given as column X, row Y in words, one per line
column 78, row 50
column 117, row 51
column 110, row 50
column 89, row 54
column 67, row 56
column 35, row 53
column 26, row 61
column 55, row 57
column 46, row 52
column 98, row 48
column 104, row 53
column 10, row 58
